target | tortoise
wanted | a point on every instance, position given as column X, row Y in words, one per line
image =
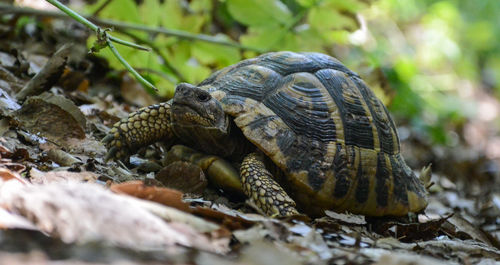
column 300, row 125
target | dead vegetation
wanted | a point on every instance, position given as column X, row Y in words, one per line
column 60, row 201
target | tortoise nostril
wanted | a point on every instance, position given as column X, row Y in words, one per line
column 183, row 88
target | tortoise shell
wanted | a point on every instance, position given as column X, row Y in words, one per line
column 324, row 128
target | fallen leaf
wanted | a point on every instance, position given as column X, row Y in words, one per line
column 174, row 215
column 352, row 219
column 86, row 212
column 262, row 252
column 232, row 222
column 9, row 220
column 48, row 75
column 40, row 177
column 54, row 117
column 463, row 229
column 407, row 259
column 62, row 158
column 183, row 176
column 133, row 92
column 7, row 175
column 165, row 196
column 408, row 232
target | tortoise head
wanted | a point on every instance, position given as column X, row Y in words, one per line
column 199, row 120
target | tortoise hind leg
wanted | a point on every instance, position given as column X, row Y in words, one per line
column 259, row 185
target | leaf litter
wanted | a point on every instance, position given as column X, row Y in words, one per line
column 57, row 192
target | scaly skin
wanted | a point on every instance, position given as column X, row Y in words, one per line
column 264, row 191
column 141, row 128
column 152, row 124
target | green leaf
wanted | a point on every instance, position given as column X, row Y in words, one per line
column 165, row 88
column 187, row 64
column 406, row 69
column 213, row 54
column 151, row 12
column 201, row 5
column 302, row 40
column 125, row 10
column 173, row 17
column 345, row 5
column 326, row 18
column 263, row 37
column 481, row 34
column 259, row 12
column 337, row 36
column 306, row 3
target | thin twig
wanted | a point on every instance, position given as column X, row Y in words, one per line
column 125, row 63
column 91, row 25
column 158, row 51
column 174, row 33
column 103, row 36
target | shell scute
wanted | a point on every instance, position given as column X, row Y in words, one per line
column 324, row 128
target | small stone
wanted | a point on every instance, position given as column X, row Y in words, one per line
column 183, row 176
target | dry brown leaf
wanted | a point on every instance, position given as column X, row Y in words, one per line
column 352, row 219
column 86, row 212
column 408, row 231
column 183, row 176
column 48, row 75
column 232, row 222
column 62, row 158
column 133, row 92
column 9, row 220
column 52, row 116
column 16, row 167
column 6, row 157
column 5, row 152
column 31, row 258
column 463, row 229
column 165, row 196
column 407, row 259
column 262, row 252
column 173, row 198
column 6, row 175
column 73, row 80
column 173, row 215
column 40, row 177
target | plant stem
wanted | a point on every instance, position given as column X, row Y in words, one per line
column 91, row 25
column 159, row 52
column 129, row 68
column 103, row 35
column 8, row 9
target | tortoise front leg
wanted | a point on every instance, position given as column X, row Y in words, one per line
column 266, row 193
column 141, row 128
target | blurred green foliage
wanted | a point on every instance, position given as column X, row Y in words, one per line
column 431, row 53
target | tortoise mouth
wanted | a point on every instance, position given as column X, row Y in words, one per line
column 189, row 115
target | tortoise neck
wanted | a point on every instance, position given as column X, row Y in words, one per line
column 212, row 140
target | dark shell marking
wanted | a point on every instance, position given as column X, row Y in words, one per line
column 326, row 130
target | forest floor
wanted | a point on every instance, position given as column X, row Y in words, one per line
column 61, row 202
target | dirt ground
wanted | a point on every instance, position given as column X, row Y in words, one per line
column 61, row 202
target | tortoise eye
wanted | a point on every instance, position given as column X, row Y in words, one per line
column 203, row 97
